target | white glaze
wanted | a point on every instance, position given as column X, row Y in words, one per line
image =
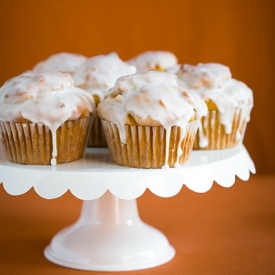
column 60, row 62
column 152, row 99
column 99, row 73
column 155, row 60
column 214, row 81
column 48, row 98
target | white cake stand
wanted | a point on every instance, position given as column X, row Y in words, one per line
column 109, row 235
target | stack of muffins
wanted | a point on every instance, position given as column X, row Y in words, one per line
column 96, row 76
column 150, row 111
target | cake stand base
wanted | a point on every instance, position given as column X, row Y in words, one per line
column 109, row 236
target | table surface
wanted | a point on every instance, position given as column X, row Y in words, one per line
column 223, row 231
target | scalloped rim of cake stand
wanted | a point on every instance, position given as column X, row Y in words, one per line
column 90, row 177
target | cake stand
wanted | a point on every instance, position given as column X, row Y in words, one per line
column 109, row 234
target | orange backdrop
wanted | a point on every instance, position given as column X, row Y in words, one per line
column 237, row 33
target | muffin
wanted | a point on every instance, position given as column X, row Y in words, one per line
column 155, row 61
column 60, row 62
column 229, row 103
column 149, row 121
column 97, row 75
column 44, row 118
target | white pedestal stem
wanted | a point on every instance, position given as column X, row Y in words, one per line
column 109, row 236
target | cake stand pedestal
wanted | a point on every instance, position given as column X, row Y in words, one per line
column 109, row 234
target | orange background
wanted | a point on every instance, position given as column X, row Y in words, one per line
column 237, row 33
column 224, row 231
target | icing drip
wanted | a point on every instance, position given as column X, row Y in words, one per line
column 54, row 151
column 48, row 98
column 151, row 99
column 212, row 81
column 203, row 141
column 60, row 62
column 99, row 73
column 156, row 61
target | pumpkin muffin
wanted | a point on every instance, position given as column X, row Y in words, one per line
column 229, row 103
column 155, row 61
column 44, row 118
column 60, row 62
column 149, row 121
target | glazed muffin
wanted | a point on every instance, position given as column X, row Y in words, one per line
column 44, row 118
column 97, row 75
column 149, row 121
column 229, row 104
column 155, row 61
column 60, row 62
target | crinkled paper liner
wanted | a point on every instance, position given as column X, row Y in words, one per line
column 96, row 136
column 31, row 143
column 145, row 145
column 215, row 133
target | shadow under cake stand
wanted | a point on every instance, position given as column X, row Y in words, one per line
column 109, row 234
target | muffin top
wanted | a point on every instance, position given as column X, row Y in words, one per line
column 48, row 98
column 208, row 75
column 150, row 99
column 214, row 81
column 60, row 62
column 99, row 73
column 155, row 61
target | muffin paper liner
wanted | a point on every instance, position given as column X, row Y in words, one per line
column 146, row 145
column 96, row 134
column 32, row 143
column 213, row 131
